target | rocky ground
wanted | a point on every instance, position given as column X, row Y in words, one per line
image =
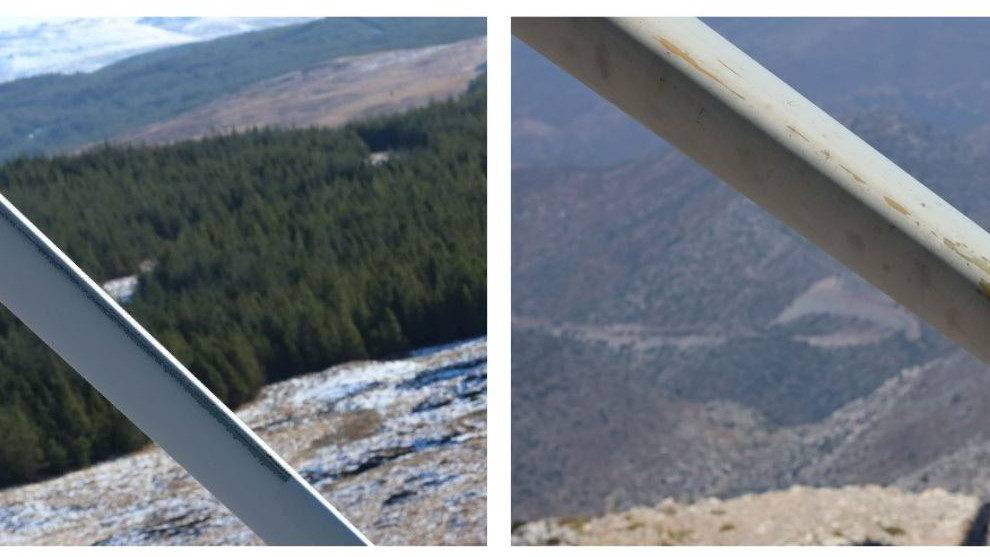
column 868, row 515
column 398, row 446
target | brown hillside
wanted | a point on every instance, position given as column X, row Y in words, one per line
column 331, row 94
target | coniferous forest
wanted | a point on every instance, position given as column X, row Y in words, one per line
column 265, row 254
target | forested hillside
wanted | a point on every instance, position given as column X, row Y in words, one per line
column 58, row 112
column 275, row 252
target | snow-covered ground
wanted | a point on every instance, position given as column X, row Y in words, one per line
column 398, row 446
column 33, row 46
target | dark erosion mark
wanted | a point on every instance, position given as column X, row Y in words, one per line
column 470, row 388
column 432, row 403
column 191, row 523
column 380, row 458
column 398, row 497
column 429, row 377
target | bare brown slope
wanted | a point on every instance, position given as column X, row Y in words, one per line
column 331, row 94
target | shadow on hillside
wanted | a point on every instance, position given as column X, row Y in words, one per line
column 977, row 534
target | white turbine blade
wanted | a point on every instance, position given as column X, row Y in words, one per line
column 95, row 336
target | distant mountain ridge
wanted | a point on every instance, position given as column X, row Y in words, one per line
column 52, row 113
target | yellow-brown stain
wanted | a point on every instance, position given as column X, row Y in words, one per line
column 897, row 206
column 853, row 174
column 985, row 287
column 798, row 132
column 981, row 262
column 680, row 53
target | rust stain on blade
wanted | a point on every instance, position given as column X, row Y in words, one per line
column 798, row 132
column 853, row 174
column 985, row 287
column 897, row 206
column 981, row 262
column 677, row 51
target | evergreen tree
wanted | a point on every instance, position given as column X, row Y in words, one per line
column 20, row 447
